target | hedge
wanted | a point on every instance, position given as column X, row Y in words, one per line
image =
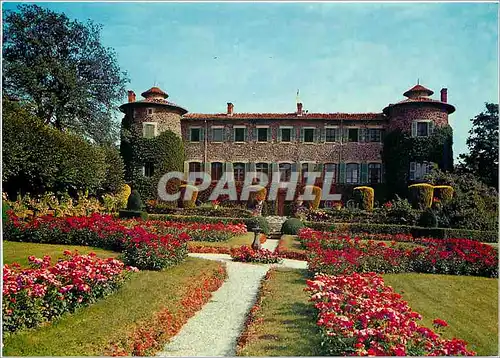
column 415, row 231
column 199, row 211
column 421, row 195
column 365, row 197
column 444, row 193
column 249, row 222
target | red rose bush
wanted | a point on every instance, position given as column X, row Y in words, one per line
column 45, row 291
column 360, row 316
column 247, row 254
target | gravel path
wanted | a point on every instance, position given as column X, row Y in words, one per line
column 214, row 330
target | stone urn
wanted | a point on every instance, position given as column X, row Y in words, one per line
column 256, row 245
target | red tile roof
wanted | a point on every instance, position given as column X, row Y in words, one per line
column 426, row 100
column 338, row 116
column 155, row 101
column 418, row 88
column 153, row 91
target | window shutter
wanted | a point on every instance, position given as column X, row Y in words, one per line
column 245, row 134
column 233, row 136
column 293, row 134
column 269, row 134
column 382, row 134
column 202, row 133
column 279, row 134
column 302, row 134
column 189, row 134
column 207, row 167
column 294, row 167
column 252, row 167
column 316, row 135
column 382, row 173
column 345, row 135
column 318, row 168
column 322, row 137
column 431, row 127
column 311, row 167
column 342, row 173
column 336, row 132
column 414, row 128
column 412, row 170
column 361, row 134
column 247, row 167
column 364, row 173
column 274, row 169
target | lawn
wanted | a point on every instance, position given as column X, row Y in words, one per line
column 239, row 240
column 19, row 251
column 469, row 305
column 90, row 330
column 288, row 327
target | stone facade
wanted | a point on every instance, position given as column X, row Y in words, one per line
column 344, row 149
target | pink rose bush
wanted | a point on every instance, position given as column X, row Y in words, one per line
column 339, row 253
column 45, row 291
column 360, row 316
column 247, row 254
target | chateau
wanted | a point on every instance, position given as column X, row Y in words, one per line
column 348, row 146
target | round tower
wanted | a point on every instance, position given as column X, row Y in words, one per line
column 152, row 115
column 418, row 107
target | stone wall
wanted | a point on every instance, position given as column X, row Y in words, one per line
column 403, row 116
column 166, row 119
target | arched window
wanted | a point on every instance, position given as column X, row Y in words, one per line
column 263, row 168
column 194, row 167
column 239, row 171
column 330, row 171
column 352, row 173
column 216, row 170
column 285, row 171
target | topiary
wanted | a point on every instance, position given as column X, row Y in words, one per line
column 364, row 196
column 191, row 203
column 316, row 191
column 123, row 196
column 134, row 202
column 292, row 226
column 421, row 195
column 444, row 193
column 428, row 218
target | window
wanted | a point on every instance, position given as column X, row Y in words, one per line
column 420, row 170
column 239, row 171
column 375, row 135
column 330, row 135
column 352, row 173
column 194, row 167
column 330, row 171
column 149, row 129
column 285, row 171
column 305, row 169
column 262, row 134
column 217, row 134
column 286, row 134
column 216, row 171
column 149, row 111
column 262, row 168
column 308, row 135
column 374, row 173
column 239, row 135
column 149, row 169
column 194, row 134
column 353, row 134
column 422, row 128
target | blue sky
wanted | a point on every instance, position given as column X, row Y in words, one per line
column 344, row 57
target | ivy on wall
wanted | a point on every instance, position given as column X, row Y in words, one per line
column 161, row 154
column 400, row 149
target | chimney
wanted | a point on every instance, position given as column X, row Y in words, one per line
column 444, row 95
column 230, row 108
column 299, row 108
column 131, row 96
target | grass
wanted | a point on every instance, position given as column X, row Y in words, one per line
column 89, row 330
column 239, row 240
column 469, row 305
column 19, row 251
column 288, row 327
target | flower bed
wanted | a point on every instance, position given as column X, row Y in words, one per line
column 359, row 315
column 152, row 244
column 44, row 292
column 284, row 251
column 247, row 254
column 342, row 254
column 149, row 337
column 201, row 249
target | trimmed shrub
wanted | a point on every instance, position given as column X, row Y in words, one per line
column 134, row 201
column 123, row 196
column 444, row 193
column 257, row 195
column 428, row 218
column 421, row 195
column 292, row 226
column 364, row 196
column 316, row 191
column 133, row 214
column 191, row 203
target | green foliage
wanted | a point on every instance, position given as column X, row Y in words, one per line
column 482, row 159
column 428, row 218
column 165, row 152
column 60, row 66
column 5, row 207
column 444, row 193
column 292, row 226
column 134, row 202
column 421, row 195
column 192, row 192
column 133, row 214
column 400, row 211
column 39, row 158
column 400, row 149
column 474, row 205
column 113, row 181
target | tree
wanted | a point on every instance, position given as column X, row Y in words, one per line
column 482, row 159
column 61, row 68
